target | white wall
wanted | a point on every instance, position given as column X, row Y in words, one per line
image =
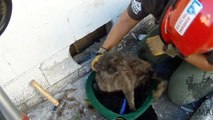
column 38, row 37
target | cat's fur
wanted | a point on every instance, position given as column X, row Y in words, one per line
column 119, row 72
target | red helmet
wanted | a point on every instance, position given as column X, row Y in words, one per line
column 188, row 24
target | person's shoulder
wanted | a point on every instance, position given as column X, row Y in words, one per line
column 136, row 10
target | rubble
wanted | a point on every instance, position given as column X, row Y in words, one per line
column 73, row 105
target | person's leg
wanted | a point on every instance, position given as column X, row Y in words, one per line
column 189, row 84
column 205, row 111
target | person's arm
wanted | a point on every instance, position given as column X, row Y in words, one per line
column 200, row 61
column 119, row 30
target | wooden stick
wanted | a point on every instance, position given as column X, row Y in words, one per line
column 43, row 92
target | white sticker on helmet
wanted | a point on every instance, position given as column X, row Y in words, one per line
column 187, row 16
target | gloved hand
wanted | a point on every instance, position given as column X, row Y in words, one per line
column 100, row 53
column 171, row 51
column 157, row 47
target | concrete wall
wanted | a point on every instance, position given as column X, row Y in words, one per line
column 36, row 42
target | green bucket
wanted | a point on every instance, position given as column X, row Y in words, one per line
column 108, row 114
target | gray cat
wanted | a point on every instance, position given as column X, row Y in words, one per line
column 119, row 72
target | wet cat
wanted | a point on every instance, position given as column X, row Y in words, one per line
column 119, row 72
